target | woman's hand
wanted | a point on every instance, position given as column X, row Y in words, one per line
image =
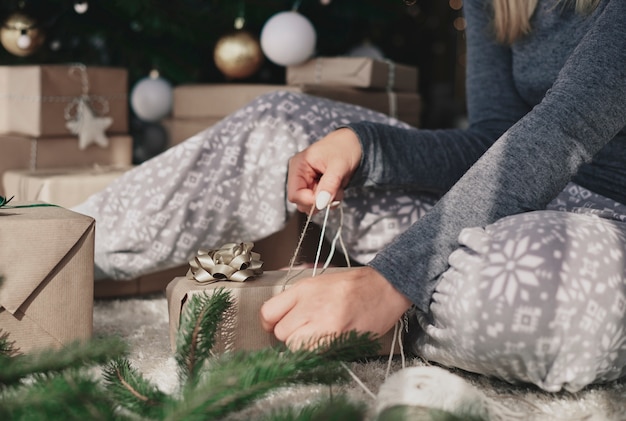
column 319, row 173
column 359, row 299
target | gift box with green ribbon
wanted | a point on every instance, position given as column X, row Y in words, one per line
column 46, row 263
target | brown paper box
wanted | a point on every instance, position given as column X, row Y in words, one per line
column 197, row 107
column 46, row 259
column 179, row 129
column 405, row 106
column 34, row 99
column 356, row 72
column 20, row 152
column 216, row 100
column 241, row 329
column 66, row 187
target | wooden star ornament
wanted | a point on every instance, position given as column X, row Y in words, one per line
column 89, row 128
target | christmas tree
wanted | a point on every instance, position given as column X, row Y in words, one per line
column 178, row 38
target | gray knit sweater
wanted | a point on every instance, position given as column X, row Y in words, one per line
column 548, row 110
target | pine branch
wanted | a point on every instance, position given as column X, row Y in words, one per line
column 71, row 395
column 74, row 355
column 337, row 408
column 132, row 391
column 198, row 327
column 348, row 346
column 239, row 378
column 7, row 347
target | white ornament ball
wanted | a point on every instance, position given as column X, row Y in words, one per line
column 288, row 38
column 152, row 98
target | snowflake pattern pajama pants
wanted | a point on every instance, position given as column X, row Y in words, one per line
column 538, row 297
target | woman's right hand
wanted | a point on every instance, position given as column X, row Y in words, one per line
column 319, row 173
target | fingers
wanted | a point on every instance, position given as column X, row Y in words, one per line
column 318, row 174
column 274, row 309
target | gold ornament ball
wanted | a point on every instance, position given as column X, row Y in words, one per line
column 20, row 35
column 238, row 55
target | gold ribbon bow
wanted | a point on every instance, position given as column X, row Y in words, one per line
column 231, row 262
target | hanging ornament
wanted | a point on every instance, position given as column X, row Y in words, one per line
column 81, row 6
column 288, row 38
column 151, row 97
column 89, row 128
column 149, row 140
column 238, row 54
column 20, row 35
column 80, row 116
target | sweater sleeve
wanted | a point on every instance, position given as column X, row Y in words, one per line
column 530, row 162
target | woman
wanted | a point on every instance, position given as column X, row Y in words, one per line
column 538, row 294
column 531, row 293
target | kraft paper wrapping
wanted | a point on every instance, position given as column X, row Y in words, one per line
column 181, row 129
column 47, row 303
column 356, row 72
column 66, row 187
column 34, row 98
column 241, row 328
column 26, row 153
column 216, row 100
column 198, row 107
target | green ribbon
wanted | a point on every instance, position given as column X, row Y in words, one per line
column 231, row 262
column 4, row 204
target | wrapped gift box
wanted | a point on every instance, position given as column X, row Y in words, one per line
column 241, row 329
column 405, row 106
column 181, row 129
column 21, row 152
column 355, row 72
column 46, row 259
column 216, row 100
column 65, row 187
column 197, row 107
column 37, row 100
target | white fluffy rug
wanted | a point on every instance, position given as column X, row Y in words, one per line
column 143, row 323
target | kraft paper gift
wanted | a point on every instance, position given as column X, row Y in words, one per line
column 26, row 153
column 198, row 107
column 216, row 100
column 46, row 259
column 405, row 106
column 38, row 100
column 181, row 129
column 355, row 72
column 66, row 187
column 241, row 328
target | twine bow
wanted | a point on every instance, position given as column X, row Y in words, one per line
column 231, row 262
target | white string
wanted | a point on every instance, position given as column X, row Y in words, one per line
column 338, row 237
column 359, row 381
column 320, row 242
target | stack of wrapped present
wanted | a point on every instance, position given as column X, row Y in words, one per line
column 63, row 131
column 372, row 83
column 63, row 135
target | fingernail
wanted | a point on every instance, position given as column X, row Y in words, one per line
column 322, row 199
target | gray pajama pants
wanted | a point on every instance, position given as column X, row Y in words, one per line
column 537, row 297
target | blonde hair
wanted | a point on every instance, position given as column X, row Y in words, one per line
column 511, row 18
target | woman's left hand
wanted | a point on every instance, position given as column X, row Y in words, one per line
column 360, row 299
